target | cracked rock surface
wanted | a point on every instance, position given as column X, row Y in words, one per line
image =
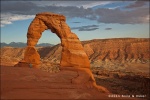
column 29, row 83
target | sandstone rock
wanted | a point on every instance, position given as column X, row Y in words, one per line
column 117, row 49
column 72, row 55
column 31, row 55
column 22, row 64
column 28, row 83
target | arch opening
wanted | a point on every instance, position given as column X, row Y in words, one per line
column 50, row 55
column 49, row 37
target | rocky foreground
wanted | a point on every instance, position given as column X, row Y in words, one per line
column 28, row 83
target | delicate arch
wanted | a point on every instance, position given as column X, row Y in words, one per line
column 73, row 54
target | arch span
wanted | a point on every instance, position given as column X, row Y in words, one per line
column 73, row 54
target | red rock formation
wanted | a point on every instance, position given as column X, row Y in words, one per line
column 31, row 56
column 118, row 49
column 73, row 56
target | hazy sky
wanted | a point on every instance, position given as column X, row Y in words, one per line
column 88, row 19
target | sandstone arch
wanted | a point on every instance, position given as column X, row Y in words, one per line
column 73, row 57
column 73, row 54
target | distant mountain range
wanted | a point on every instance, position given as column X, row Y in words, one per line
column 21, row 44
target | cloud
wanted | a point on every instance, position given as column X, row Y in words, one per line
column 122, row 17
column 96, row 3
column 137, row 4
column 21, row 10
column 17, row 7
column 10, row 18
column 76, row 22
column 29, row 8
column 86, row 28
column 108, row 28
column 114, row 7
column 85, row 4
